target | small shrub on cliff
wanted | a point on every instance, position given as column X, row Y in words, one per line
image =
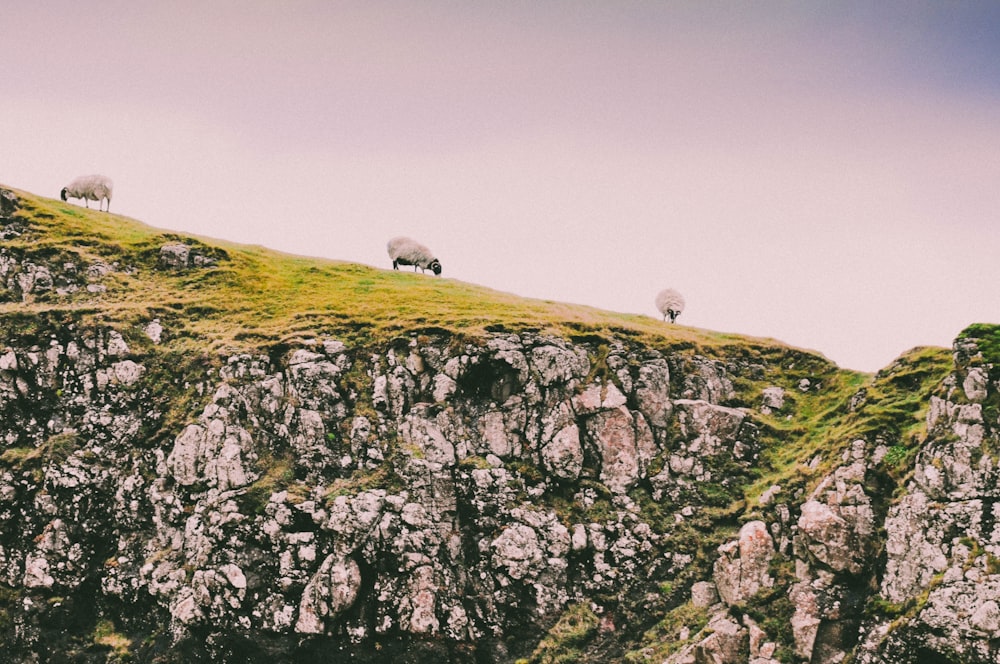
column 563, row 643
column 56, row 449
column 678, row 628
column 107, row 636
column 279, row 474
column 10, row 600
column 883, row 608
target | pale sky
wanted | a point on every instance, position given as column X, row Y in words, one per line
column 825, row 173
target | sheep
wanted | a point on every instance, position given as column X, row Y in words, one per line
column 670, row 303
column 405, row 251
column 89, row 188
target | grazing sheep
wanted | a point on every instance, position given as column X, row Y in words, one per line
column 670, row 303
column 89, row 188
column 405, row 251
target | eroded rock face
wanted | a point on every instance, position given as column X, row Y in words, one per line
column 459, row 496
column 942, row 539
column 289, row 503
column 837, row 524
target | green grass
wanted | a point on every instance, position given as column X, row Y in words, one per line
column 255, row 297
column 664, row 638
column 565, row 642
column 893, row 410
column 106, row 636
column 56, row 449
column 987, row 338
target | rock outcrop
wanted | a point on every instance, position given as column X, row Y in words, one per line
column 298, row 502
column 496, row 497
column 869, row 577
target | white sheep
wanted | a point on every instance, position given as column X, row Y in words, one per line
column 89, row 188
column 670, row 303
column 406, row 251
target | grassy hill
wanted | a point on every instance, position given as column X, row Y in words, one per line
column 256, row 296
column 108, row 271
column 256, row 299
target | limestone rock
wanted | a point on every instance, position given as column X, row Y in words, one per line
column 596, row 397
column 175, row 255
column 707, row 427
column 837, row 524
column 563, row 455
column 426, row 439
column 517, row 551
column 742, row 567
column 975, row 384
column 726, row 642
column 211, row 452
column 180, row 256
column 704, row 594
column 556, row 364
column 772, row 399
column 706, row 380
column 332, row 590
column 445, row 497
column 652, row 393
column 9, row 203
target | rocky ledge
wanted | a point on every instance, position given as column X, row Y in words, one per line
column 512, row 497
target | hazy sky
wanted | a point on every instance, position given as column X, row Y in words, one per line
column 826, row 173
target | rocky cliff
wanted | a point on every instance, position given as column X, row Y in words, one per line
column 185, row 477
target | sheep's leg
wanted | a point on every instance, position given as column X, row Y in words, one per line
column 395, row 265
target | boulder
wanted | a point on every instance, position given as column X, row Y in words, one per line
column 562, row 456
column 330, row 592
column 652, row 393
column 9, row 204
column 612, row 433
column 772, row 399
column 742, row 567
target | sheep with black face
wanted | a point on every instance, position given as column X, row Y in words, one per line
column 407, row 251
column 670, row 303
column 89, row 188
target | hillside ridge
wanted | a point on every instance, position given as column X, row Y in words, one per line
column 286, row 292
column 215, row 453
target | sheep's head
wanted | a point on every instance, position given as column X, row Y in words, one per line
column 435, row 266
column 62, row 194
